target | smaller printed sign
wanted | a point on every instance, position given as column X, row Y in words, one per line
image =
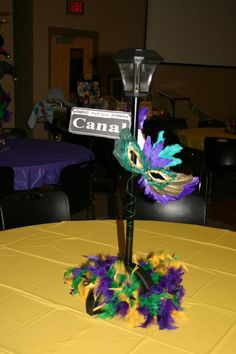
column 98, row 122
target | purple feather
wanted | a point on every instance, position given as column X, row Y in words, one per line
column 104, row 286
column 166, row 198
column 165, row 319
column 142, row 115
column 148, row 318
column 152, row 154
column 122, row 308
column 156, row 303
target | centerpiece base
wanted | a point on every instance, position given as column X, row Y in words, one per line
column 109, row 289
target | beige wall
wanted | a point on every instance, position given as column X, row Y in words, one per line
column 120, row 24
column 211, row 89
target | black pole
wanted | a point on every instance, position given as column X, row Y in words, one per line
column 130, row 212
column 142, row 275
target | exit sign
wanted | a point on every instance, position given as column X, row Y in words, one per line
column 75, row 7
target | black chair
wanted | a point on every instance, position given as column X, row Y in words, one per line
column 31, row 207
column 190, row 209
column 107, row 174
column 76, row 181
column 6, row 180
column 219, row 161
column 14, row 133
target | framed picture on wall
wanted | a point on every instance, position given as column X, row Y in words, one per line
column 88, row 90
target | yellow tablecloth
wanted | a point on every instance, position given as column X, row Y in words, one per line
column 194, row 138
column 38, row 315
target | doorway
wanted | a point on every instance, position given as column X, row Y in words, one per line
column 72, row 54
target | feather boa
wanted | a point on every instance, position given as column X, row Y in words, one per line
column 120, row 293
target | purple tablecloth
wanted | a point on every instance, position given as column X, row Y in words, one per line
column 38, row 162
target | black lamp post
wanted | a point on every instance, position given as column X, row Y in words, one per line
column 136, row 67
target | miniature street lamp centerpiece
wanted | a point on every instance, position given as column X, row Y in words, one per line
column 146, row 290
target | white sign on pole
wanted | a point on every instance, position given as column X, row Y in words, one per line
column 98, row 122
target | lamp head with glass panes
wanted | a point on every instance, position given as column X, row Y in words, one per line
column 137, row 67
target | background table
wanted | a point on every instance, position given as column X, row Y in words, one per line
column 194, row 138
column 38, row 315
column 38, row 162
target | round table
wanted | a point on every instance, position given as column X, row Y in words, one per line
column 38, row 314
column 39, row 162
column 194, row 138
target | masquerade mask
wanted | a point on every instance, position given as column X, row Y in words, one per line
column 152, row 163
